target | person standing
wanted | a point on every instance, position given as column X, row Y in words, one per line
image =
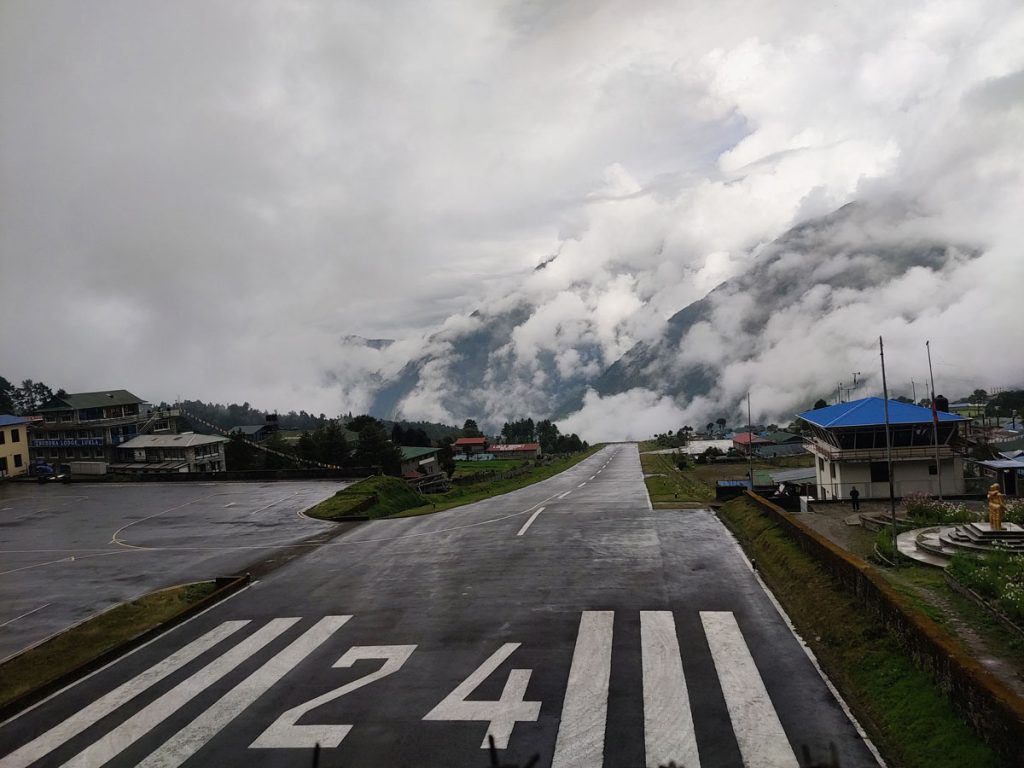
column 855, row 499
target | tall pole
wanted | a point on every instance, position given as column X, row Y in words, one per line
column 888, row 445
column 750, row 446
column 935, row 419
column 913, row 390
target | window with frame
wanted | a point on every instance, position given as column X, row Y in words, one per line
column 3, row 437
column 17, row 460
column 879, row 472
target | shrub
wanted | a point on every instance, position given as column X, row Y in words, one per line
column 922, row 508
column 884, row 544
column 1015, row 511
column 999, row 577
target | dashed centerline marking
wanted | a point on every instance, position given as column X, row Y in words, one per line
column 582, row 484
column 529, row 522
column 565, row 494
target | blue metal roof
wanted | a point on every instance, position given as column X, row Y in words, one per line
column 870, row 412
column 7, row 420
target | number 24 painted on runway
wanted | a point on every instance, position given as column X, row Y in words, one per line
column 501, row 715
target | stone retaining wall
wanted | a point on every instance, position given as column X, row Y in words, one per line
column 983, row 699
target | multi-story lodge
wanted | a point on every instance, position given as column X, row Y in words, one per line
column 848, row 442
column 88, row 426
column 187, row 452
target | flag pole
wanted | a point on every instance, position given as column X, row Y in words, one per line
column 935, row 419
column 750, row 446
column 888, row 445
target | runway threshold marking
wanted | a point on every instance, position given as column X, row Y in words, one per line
column 759, row 733
column 580, row 742
column 143, row 721
column 529, row 522
column 103, row 706
column 668, row 723
column 196, row 734
column 668, row 730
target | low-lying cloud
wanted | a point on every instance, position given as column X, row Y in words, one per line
column 208, row 203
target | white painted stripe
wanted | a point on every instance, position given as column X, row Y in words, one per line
column 192, row 737
column 134, row 728
column 593, row 476
column 759, row 734
column 103, row 706
column 668, row 722
column 27, row 613
column 565, row 494
column 529, row 522
column 580, row 742
column 807, row 650
column 582, row 484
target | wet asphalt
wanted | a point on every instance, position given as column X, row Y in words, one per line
column 491, row 618
column 70, row 551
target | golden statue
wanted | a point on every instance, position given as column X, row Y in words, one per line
column 996, row 507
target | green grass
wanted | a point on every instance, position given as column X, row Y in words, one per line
column 393, row 495
column 460, row 495
column 91, row 639
column 496, row 465
column 906, row 714
column 668, row 486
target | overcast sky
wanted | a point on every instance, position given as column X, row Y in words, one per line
column 203, row 198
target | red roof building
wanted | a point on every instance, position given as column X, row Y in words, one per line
column 470, row 444
column 745, row 441
column 516, row 450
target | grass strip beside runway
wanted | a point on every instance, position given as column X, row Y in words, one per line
column 374, row 497
column 905, row 713
column 382, row 496
column 468, row 494
column 89, row 640
column 668, row 486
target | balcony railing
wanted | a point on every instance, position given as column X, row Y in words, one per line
column 93, row 423
column 831, row 453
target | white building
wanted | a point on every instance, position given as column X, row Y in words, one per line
column 187, row 452
column 849, row 445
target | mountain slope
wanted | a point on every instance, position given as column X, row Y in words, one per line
column 809, row 274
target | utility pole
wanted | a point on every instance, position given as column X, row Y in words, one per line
column 888, row 446
column 935, row 419
column 913, row 389
column 855, row 375
column 750, row 446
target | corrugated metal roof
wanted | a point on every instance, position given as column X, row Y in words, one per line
column 414, row 452
column 743, row 438
column 81, row 400
column 471, row 441
column 184, row 440
column 870, row 412
column 6, row 420
column 248, row 429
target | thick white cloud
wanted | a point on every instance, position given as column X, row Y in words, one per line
column 205, row 200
